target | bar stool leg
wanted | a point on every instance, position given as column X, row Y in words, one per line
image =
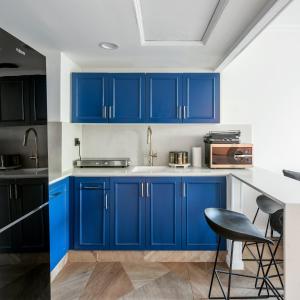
column 230, row 271
column 253, row 221
column 214, row 270
column 262, row 254
column 266, row 280
column 261, row 267
column 273, row 260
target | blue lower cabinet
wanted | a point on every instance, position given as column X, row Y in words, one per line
column 59, row 221
column 91, row 210
column 138, row 213
column 127, row 214
column 200, row 193
column 163, row 209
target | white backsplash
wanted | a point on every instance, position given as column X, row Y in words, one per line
column 113, row 140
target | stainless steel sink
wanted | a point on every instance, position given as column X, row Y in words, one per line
column 149, row 169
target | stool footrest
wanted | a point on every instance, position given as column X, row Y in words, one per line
column 265, row 279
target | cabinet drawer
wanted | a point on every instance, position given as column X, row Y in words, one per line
column 92, row 183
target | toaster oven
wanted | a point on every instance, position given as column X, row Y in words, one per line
column 222, row 156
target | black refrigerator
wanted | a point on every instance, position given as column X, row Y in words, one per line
column 24, row 212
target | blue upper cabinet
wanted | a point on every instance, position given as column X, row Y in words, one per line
column 59, row 221
column 200, row 193
column 89, row 98
column 201, row 98
column 126, row 98
column 91, row 213
column 163, row 98
column 127, row 218
column 163, row 219
column 146, row 98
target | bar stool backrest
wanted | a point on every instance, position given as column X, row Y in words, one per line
column 276, row 221
column 291, row 174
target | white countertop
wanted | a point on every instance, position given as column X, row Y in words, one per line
column 119, row 172
column 282, row 189
column 276, row 186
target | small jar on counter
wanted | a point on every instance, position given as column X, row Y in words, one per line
column 179, row 158
column 172, row 157
column 185, row 158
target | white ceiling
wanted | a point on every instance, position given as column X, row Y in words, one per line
column 194, row 34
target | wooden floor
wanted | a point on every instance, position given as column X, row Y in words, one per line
column 116, row 280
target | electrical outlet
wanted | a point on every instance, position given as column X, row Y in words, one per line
column 77, row 142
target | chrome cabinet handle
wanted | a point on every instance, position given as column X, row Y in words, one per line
column 90, row 188
column 147, row 189
column 55, row 195
column 183, row 190
column 106, row 202
column 16, row 191
column 104, row 112
column 184, row 111
column 10, row 192
column 109, row 112
column 179, row 108
column 142, row 188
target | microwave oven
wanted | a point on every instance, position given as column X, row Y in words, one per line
column 231, row 156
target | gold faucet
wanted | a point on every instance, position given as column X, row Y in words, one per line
column 150, row 155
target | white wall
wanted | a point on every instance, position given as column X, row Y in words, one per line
column 61, row 132
column 262, row 87
column 130, row 140
column 59, row 68
column 69, row 152
column 53, row 65
column 67, row 67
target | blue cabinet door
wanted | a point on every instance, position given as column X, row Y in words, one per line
column 201, row 98
column 127, row 226
column 163, row 209
column 163, row 98
column 91, row 213
column 89, row 98
column 127, row 98
column 200, row 193
column 59, row 221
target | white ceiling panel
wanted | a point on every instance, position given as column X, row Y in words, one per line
column 171, row 35
column 176, row 20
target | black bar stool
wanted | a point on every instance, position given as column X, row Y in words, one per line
column 269, row 207
column 236, row 227
column 276, row 223
column 291, row 174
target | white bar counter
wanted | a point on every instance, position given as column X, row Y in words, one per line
column 285, row 191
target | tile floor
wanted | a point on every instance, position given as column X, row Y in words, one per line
column 148, row 280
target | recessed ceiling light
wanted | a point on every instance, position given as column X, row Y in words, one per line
column 108, row 46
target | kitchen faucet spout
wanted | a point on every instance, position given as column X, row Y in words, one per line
column 150, row 155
